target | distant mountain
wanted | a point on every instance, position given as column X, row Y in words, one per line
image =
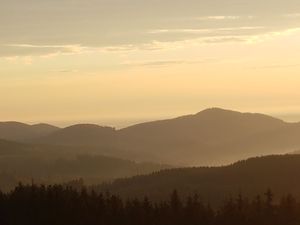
column 211, row 137
column 16, row 131
column 81, row 135
column 213, row 184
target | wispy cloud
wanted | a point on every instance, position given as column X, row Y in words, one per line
column 24, row 48
column 292, row 15
column 224, row 18
column 218, row 18
column 191, row 37
column 67, row 71
column 277, row 66
column 154, row 63
column 160, row 63
column 271, row 35
column 26, row 60
column 113, row 25
column 203, row 31
column 26, row 52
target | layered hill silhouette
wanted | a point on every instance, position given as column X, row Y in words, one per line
column 50, row 164
column 214, row 184
column 81, row 135
column 13, row 148
column 211, row 137
column 16, row 131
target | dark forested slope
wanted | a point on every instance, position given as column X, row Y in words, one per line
column 281, row 173
column 58, row 164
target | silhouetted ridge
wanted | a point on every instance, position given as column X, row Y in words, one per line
column 16, row 131
column 211, row 137
column 45, row 127
column 88, row 128
column 208, row 137
column 223, row 114
column 81, row 135
column 213, row 184
column 217, row 111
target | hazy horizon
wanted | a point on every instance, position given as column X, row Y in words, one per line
column 120, row 123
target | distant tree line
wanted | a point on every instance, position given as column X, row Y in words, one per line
column 44, row 169
column 59, row 205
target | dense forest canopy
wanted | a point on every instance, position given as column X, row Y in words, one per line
column 58, row 205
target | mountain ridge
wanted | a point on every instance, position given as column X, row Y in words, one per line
column 17, row 131
column 213, row 136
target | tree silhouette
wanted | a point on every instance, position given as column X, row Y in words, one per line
column 60, row 205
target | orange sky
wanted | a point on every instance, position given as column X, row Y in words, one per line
column 119, row 61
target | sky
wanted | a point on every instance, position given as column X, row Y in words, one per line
column 117, row 62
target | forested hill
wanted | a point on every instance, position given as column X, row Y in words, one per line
column 213, row 184
column 58, row 164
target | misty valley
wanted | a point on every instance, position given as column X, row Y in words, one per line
column 214, row 167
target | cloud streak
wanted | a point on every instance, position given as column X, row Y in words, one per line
column 199, row 37
column 205, row 31
column 219, row 18
column 162, row 63
column 45, row 28
column 41, row 50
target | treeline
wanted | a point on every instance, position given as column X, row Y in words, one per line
column 214, row 184
column 59, row 205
